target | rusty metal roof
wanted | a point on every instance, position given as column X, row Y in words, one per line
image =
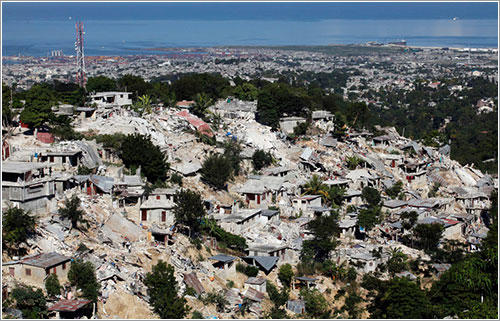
column 45, row 260
column 254, row 295
column 69, row 305
column 193, row 282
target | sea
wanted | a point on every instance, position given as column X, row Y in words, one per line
column 134, row 37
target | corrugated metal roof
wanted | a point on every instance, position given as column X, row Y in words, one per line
column 192, row 281
column 254, row 295
column 45, row 260
column 69, row 305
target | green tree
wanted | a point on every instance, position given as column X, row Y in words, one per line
column 216, row 170
column 403, row 299
column 61, row 127
column 371, row 196
column 261, row 159
column 30, row 301
column 72, row 211
column 409, row 219
column 325, row 229
column 368, row 218
column 232, row 151
column 351, row 305
column 469, row 289
column 6, row 105
column 316, row 304
column 189, row 209
column 246, row 91
column 134, row 84
column 428, row 236
column 52, row 286
column 39, row 101
column 163, row 292
column 82, row 275
column 138, row 150
column 278, row 298
column 17, row 226
column 394, row 191
column 398, row 262
column 100, row 84
column 285, row 274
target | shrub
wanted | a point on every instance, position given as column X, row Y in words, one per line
column 52, row 286
column 248, row 270
column 216, row 170
column 285, row 274
column 261, row 159
column 30, row 301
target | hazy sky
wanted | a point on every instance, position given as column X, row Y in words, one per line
column 247, row 11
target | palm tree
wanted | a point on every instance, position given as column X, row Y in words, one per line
column 315, row 187
column 335, row 195
column 201, row 103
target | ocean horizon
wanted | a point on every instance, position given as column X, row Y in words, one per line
column 134, row 37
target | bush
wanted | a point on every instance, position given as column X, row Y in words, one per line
column 30, row 301
column 301, row 129
column 197, row 315
column 216, row 298
column 52, row 286
column 394, row 191
column 176, row 179
column 190, row 291
column 285, row 274
column 316, row 304
column 224, row 238
column 216, row 171
column 248, row 270
column 278, row 298
column 82, row 170
column 261, row 159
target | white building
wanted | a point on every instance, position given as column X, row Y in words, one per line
column 111, row 99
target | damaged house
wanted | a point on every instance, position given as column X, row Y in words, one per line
column 27, row 185
column 35, row 269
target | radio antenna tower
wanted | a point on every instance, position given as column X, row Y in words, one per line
column 81, row 78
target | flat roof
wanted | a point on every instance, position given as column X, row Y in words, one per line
column 22, row 167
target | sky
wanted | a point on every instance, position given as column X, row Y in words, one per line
column 15, row 11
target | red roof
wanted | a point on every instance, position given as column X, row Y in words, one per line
column 69, row 305
column 451, row 222
column 199, row 124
